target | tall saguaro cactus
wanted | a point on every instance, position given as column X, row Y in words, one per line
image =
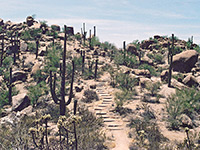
column 83, row 61
column 94, row 31
column 10, row 88
column 170, row 56
column 2, row 50
column 37, row 47
column 124, row 47
column 62, row 101
column 96, row 67
column 84, row 33
column 74, row 122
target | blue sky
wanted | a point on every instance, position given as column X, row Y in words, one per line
column 116, row 20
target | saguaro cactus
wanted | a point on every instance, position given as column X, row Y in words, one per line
column 124, row 47
column 94, row 31
column 83, row 61
column 37, row 47
column 10, row 88
column 96, row 67
column 170, row 56
column 84, row 33
column 74, row 122
column 2, row 50
column 62, row 101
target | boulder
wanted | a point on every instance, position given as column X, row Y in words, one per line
column 131, row 48
column 19, row 75
column 23, row 46
column 78, row 89
column 1, row 22
column 190, row 81
column 29, row 20
column 164, row 75
column 185, row 61
column 35, row 68
column 146, row 44
column 55, row 27
column 70, row 30
column 20, row 101
column 142, row 72
column 147, row 60
column 185, row 121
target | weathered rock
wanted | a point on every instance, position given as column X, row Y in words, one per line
column 35, row 68
column 131, row 48
column 164, row 75
column 55, row 27
column 176, row 84
column 70, row 30
column 1, row 22
column 29, row 20
column 144, row 82
column 146, row 44
column 78, row 89
column 147, row 60
column 19, row 75
column 93, row 86
column 23, row 46
column 185, row 61
column 20, row 101
column 190, row 81
column 142, row 72
column 28, row 110
column 185, row 121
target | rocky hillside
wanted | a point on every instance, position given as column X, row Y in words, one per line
column 66, row 90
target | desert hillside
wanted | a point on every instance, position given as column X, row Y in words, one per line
column 64, row 90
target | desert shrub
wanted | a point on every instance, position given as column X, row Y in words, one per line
column 150, row 68
column 185, row 101
column 95, row 42
column 118, row 58
column 146, row 129
column 153, row 88
column 157, row 58
column 52, row 60
column 32, row 47
column 125, row 81
column 131, row 61
column 179, row 77
column 39, row 76
column 90, row 96
column 4, row 93
column 34, row 92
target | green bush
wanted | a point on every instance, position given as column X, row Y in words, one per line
column 95, row 42
column 185, row 101
column 90, row 96
column 157, row 58
column 32, row 47
column 153, row 88
column 36, row 91
column 150, row 68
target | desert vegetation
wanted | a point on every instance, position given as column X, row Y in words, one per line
column 66, row 90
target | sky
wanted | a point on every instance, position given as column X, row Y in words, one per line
column 116, row 20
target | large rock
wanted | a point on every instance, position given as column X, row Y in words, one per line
column 185, row 121
column 142, row 72
column 164, row 75
column 131, row 48
column 20, row 101
column 1, row 22
column 19, row 76
column 185, row 61
column 35, row 68
column 29, row 21
column 146, row 44
column 23, row 46
column 190, row 81
column 70, row 30
column 55, row 27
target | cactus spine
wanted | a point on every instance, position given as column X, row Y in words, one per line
column 62, row 101
column 170, row 56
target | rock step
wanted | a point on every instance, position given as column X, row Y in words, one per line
column 102, row 105
column 109, row 120
column 114, row 125
column 115, row 128
column 100, row 113
column 104, row 94
column 104, row 116
column 98, row 108
column 106, row 103
column 107, row 100
column 107, row 97
column 99, row 90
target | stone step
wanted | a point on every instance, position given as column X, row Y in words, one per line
column 104, row 94
column 115, row 128
column 98, row 108
column 104, row 116
column 107, row 97
column 107, row 100
column 109, row 120
column 102, row 105
column 100, row 113
column 114, row 125
column 107, row 103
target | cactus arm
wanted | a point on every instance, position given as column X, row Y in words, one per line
column 71, row 87
column 52, row 88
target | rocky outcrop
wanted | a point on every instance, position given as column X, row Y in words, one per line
column 29, row 20
column 190, row 81
column 1, row 22
column 20, row 101
column 185, row 61
column 143, row 72
column 70, row 30
column 55, row 27
column 19, row 76
column 131, row 48
column 146, row 44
